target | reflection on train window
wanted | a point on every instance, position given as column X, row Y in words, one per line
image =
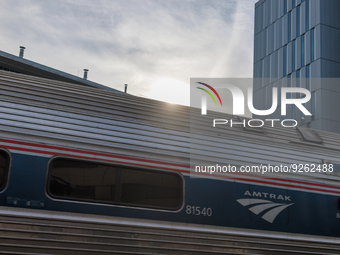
column 156, row 189
column 3, row 169
column 97, row 182
column 83, row 180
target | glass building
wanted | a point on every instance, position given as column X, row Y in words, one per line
column 296, row 43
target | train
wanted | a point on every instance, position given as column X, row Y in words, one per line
column 85, row 170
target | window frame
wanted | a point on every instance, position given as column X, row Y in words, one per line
column 4, row 185
column 118, row 183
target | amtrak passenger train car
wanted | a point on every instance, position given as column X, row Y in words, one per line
column 89, row 171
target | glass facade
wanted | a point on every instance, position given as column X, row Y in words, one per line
column 312, row 45
column 285, row 60
column 293, row 56
column 289, row 26
column 289, row 45
column 285, row 6
column 307, row 77
column 302, row 50
column 298, row 21
column 307, row 15
column 298, row 82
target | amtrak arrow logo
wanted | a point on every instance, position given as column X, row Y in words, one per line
column 261, row 205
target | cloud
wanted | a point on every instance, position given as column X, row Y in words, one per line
column 151, row 45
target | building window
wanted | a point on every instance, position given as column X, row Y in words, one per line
column 112, row 184
column 284, row 6
column 293, row 56
column 289, row 84
column 293, row 3
column 4, row 165
column 298, row 82
column 298, row 21
column 285, row 60
column 307, row 77
column 293, row 111
column 307, row 15
column 289, row 26
column 302, row 50
column 313, row 105
column 312, row 45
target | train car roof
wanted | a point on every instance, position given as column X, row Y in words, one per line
column 120, row 123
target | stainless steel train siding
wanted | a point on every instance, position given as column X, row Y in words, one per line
column 54, row 113
column 36, row 232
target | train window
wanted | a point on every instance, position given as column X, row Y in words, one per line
column 4, row 163
column 97, row 182
column 149, row 188
column 82, row 180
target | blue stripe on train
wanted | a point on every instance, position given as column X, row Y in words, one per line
column 211, row 202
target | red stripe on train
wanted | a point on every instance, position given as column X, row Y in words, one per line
column 164, row 167
column 87, row 152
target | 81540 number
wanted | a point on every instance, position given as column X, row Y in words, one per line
column 197, row 210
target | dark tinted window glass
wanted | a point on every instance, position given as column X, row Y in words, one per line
column 3, row 169
column 293, row 57
column 307, row 15
column 82, row 180
column 307, row 76
column 302, row 50
column 155, row 189
column 298, row 82
column 298, row 21
column 289, row 84
column 284, row 60
column 289, row 26
column 312, row 45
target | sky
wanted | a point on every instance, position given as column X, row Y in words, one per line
column 154, row 46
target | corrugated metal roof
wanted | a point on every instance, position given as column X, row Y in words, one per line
column 119, row 123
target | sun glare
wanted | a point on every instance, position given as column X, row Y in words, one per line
column 171, row 91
